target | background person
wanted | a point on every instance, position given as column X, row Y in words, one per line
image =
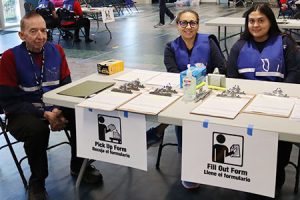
column 27, row 71
column 74, row 5
column 263, row 39
column 47, row 9
column 58, row 3
column 163, row 9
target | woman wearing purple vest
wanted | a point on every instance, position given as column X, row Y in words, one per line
column 192, row 48
column 264, row 53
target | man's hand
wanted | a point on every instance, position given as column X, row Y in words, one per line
column 56, row 119
column 284, row 7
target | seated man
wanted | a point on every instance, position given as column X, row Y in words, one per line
column 27, row 71
column 74, row 6
column 47, row 10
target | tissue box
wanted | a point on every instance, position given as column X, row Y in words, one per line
column 198, row 72
column 110, row 66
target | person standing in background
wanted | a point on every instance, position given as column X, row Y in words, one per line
column 162, row 11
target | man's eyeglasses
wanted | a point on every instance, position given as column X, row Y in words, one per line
column 184, row 24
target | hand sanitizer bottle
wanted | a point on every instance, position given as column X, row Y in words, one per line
column 189, row 86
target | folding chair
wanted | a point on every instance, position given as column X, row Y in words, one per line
column 67, row 22
column 285, row 11
column 236, row 3
column 28, row 7
column 161, row 146
column 297, row 167
column 132, row 3
column 9, row 144
column 51, row 22
column 129, row 4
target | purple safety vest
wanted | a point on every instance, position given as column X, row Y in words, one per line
column 200, row 52
column 267, row 65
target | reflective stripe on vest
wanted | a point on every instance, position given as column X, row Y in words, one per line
column 246, row 70
column 267, row 65
column 31, row 91
column 36, row 88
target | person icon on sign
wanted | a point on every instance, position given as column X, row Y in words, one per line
column 102, row 128
column 220, row 151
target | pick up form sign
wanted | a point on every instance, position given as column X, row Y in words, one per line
column 116, row 137
column 230, row 157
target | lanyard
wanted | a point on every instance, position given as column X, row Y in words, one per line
column 38, row 81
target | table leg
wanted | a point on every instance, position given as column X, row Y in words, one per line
column 225, row 42
column 110, row 37
column 219, row 33
column 97, row 19
column 82, row 169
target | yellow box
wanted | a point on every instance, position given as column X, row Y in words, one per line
column 110, row 66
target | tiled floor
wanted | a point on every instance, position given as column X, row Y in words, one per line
column 141, row 46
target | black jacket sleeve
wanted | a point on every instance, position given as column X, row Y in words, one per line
column 169, row 59
column 292, row 60
column 217, row 59
column 232, row 70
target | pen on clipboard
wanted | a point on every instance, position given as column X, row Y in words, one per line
column 216, row 88
column 200, row 85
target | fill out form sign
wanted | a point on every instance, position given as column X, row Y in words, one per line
column 230, row 157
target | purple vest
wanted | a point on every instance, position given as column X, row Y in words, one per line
column 69, row 5
column 43, row 4
column 267, row 65
column 29, row 74
column 200, row 52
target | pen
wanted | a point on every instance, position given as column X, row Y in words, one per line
column 200, row 85
column 216, row 88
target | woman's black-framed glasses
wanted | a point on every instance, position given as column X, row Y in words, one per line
column 185, row 23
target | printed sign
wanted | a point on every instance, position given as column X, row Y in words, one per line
column 227, row 149
column 112, row 137
column 107, row 15
column 227, row 157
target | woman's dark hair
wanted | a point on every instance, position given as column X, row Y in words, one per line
column 186, row 11
column 266, row 10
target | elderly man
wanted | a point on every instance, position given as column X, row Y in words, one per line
column 26, row 72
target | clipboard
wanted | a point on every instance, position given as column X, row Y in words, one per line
column 86, row 89
column 271, row 105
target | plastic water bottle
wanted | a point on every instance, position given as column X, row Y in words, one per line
column 189, row 86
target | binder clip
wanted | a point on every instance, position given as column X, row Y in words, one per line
column 122, row 89
column 278, row 93
column 135, row 85
column 164, row 91
column 201, row 95
column 233, row 92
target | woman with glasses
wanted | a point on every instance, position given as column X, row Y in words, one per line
column 264, row 53
column 192, row 48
